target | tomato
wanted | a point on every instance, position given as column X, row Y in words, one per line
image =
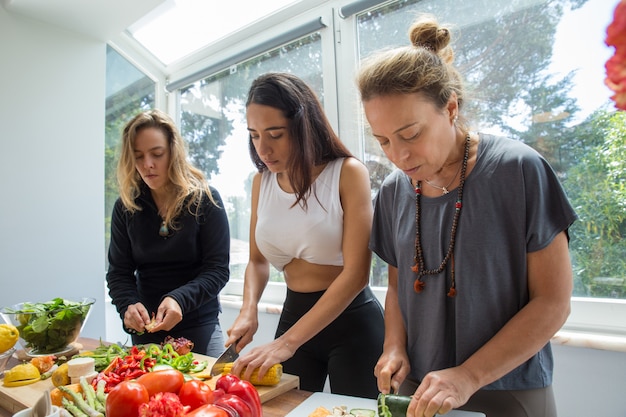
column 235, row 402
column 166, row 380
column 207, row 410
column 195, row 393
column 125, row 398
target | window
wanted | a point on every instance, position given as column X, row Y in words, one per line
column 213, row 122
column 526, row 81
column 535, row 70
column 128, row 91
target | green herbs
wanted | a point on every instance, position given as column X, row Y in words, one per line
column 49, row 327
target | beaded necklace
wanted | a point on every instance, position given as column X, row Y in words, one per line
column 420, row 267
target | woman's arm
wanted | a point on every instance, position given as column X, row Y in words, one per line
column 120, row 276
column 393, row 365
column 255, row 280
column 550, row 289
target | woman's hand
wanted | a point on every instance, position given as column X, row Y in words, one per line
column 168, row 315
column 243, row 329
column 136, row 317
column 442, row 391
column 391, row 370
column 263, row 358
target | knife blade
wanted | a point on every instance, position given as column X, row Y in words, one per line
column 229, row 355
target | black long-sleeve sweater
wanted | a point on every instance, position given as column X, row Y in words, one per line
column 189, row 265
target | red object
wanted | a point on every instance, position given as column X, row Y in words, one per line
column 238, row 404
column 231, row 384
column 166, row 380
column 181, row 345
column 217, row 393
column 208, row 410
column 616, row 65
column 225, row 381
column 163, row 404
column 195, row 393
column 132, row 366
column 125, row 399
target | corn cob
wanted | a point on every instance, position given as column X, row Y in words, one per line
column 271, row 377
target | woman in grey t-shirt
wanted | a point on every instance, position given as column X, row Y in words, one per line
column 474, row 230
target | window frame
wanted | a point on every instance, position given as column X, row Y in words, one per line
column 593, row 316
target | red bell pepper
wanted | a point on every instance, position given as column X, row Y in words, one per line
column 225, row 381
column 231, row 384
column 239, row 404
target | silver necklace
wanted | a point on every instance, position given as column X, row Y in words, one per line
column 445, row 189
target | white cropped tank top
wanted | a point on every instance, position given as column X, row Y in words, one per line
column 284, row 232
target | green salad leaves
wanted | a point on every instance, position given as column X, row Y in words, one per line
column 49, row 327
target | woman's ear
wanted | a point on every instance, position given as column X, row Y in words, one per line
column 453, row 107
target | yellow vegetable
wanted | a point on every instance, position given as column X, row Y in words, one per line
column 272, row 377
column 60, row 376
column 8, row 337
column 22, row 374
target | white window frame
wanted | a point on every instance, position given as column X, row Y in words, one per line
column 589, row 316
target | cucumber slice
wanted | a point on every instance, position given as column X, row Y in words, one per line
column 391, row 405
column 161, row 366
column 363, row 412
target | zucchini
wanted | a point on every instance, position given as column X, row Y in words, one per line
column 391, row 405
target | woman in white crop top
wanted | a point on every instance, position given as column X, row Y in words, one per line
column 311, row 218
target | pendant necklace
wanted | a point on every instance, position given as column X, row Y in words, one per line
column 420, row 267
column 163, row 230
column 446, row 189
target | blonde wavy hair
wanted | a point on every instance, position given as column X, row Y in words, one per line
column 187, row 184
column 425, row 67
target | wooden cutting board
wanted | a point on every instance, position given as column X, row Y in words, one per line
column 15, row 399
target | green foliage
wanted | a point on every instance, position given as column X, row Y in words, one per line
column 597, row 189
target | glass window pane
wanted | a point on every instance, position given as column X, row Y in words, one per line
column 128, row 91
column 526, row 81
column 213, row 122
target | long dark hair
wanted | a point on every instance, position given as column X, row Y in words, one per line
column 313, row 140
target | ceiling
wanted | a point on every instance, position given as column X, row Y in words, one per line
column 168, row 29
column 99, row 19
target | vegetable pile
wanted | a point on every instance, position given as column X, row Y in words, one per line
column 153, row 380
column 163, row 393
column 125, row 364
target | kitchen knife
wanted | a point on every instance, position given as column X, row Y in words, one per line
column 229, row 355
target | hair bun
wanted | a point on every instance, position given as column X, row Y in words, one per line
column 427, row 33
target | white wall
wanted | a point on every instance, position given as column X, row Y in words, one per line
column 589, row 382
column 52, row 101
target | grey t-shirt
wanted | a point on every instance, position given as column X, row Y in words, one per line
column 513, row 204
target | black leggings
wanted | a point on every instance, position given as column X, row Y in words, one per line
column 346, row 350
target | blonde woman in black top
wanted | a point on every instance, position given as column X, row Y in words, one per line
column 170, row 242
